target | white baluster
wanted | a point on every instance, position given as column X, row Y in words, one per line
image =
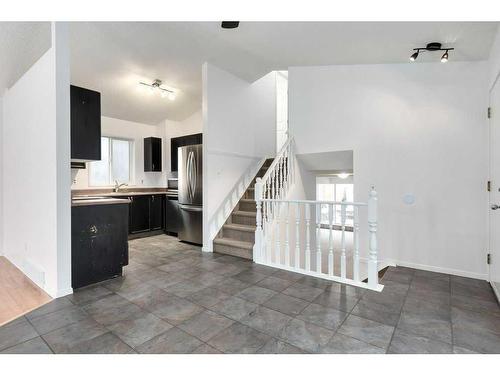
column 356, row 245
column 272, row 184
column 308, row 237
column 318, row 238
column 277, row 171
column 258, row 246
column 286, row 213
column 288, row 172
column 297, row 236
column 342, row 254
column 331, row 209
column 282, row 180
column 277, row 250
column 372, row 227
column 269, row 238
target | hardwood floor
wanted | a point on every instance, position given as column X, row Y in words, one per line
column 18, row 294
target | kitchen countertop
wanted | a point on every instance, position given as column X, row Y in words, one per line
column 98, row 201
column 168, row 192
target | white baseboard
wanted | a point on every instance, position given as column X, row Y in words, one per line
column 64, row 292
column 207, row 248
column 450, row 271
column 496, row 288
column 385, row 263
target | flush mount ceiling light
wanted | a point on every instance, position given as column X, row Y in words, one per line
column 156, row 87
column 432, row 47
column 230, row 24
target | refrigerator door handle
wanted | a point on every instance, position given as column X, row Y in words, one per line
column 191, row 208
column 191, row 175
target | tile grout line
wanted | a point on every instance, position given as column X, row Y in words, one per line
column 400, row 312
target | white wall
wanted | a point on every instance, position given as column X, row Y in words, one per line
column 494, row 59
column 239, row 128
column 36, row 193
column 415, row 129
column 191, row 125
column 1, row 174
column 135, row 131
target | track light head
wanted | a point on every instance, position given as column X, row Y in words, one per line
column 444, row 58
column 414, row 56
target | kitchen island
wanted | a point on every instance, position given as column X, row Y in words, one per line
column 99, row 239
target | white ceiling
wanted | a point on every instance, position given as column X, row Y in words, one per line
column 21, row 45
column 112, row 57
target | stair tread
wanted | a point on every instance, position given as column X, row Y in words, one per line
column 242, row 227
column 247, row 200
column 234, row 243
column 245, row 213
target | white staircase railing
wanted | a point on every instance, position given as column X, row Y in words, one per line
column 284, row 228
column 275, row 184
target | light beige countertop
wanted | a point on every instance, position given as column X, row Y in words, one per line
column 97, row 201
column 96, row 193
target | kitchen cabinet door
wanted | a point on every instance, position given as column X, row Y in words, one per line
column 85, row 124
column 156, row 212
column 152, row 154
column 139, row 214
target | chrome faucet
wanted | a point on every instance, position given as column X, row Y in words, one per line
column 118, row 186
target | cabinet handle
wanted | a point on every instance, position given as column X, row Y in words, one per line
column 93, row 229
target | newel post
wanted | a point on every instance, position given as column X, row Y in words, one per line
column 259, row 234
column 372, row 227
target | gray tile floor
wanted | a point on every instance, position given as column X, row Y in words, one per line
column 174, row 299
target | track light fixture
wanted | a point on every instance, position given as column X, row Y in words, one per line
column 156, row 87
column 432, row 47
column 230, row 24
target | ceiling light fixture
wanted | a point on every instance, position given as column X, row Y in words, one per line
column 156, row 87
column 230, row 24
column 343, row 176
column 431, row 47
column 444, row 58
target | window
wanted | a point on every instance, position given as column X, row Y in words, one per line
column 332, row 189
column 115, row 163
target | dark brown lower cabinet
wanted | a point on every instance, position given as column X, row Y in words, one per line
column 99, row 243
column 139, row 214
column 146, row 213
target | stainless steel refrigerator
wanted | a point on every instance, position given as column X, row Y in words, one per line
column 190, row 193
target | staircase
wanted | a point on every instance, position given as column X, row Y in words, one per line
column 237, row 235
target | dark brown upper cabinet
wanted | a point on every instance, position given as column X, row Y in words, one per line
column 85, row 124
column 152, row 154
column 175, row 143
